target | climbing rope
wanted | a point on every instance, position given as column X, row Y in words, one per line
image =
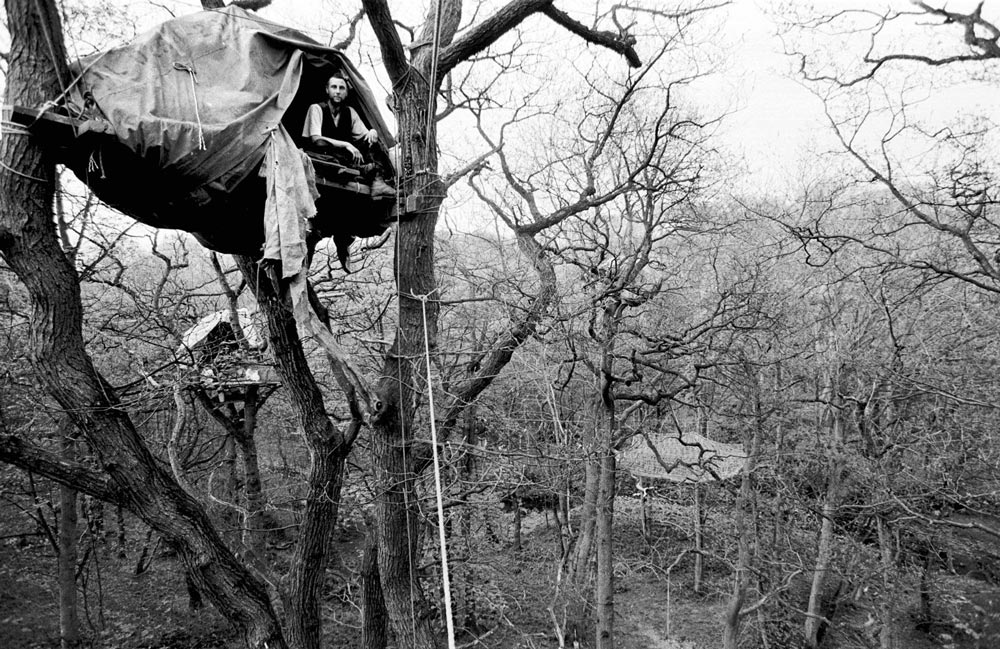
column 432, row 89
column 445, row 578
column 50, row 43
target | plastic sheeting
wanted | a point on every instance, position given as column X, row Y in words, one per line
column 193, row 105
column 199, row 95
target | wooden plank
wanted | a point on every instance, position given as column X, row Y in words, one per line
column 33, row 117
column 330, row 168
column 354, row 187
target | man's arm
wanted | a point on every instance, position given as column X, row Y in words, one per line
column 359, row 130
column 313, row 129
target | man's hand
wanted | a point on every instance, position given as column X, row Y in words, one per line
column 371, row 136
column 353, row 150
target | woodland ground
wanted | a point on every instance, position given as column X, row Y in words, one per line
column 150, row 611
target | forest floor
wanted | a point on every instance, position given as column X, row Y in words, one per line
column 513, row 592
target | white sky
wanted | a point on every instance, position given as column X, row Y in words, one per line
column 775, row 119
column 776, row 126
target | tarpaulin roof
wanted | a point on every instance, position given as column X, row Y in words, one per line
column 192, row 104
column 250, row 324
column 219, row 79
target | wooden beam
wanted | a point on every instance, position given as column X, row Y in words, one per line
column 61, row 124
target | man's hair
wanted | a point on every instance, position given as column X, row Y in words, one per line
column 339, row 75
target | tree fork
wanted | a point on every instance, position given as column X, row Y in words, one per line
column 29, row 244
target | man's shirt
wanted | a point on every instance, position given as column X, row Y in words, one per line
column 313, row 126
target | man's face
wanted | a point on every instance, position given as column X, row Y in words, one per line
column 336, row 90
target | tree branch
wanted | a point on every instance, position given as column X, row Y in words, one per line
column 30, row 457
column 481, row 36
column 249, row 5
column 352, row 30
column 393, row 55
column 622, row 43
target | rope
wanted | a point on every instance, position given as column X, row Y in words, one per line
column 431, row 91
column 24, row 175
column 399, row 391
column 445, row 579
column 51, row 45
column 13, row 128
column 193, row 76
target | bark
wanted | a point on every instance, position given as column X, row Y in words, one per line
column 814, row 613
column 396, row 524
column 29, row 244
column 698, row 542
column 588, row 516
column 744, row 504
column 241, row 426
column 374, row 619
column 328, row 446
column 69, row 628
column 467, row 474
column 888, row 635
column 605, row 597
column 254, row 527
column 605, row 603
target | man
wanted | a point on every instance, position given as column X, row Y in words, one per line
column 335, row 128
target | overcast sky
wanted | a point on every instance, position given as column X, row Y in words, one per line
column 776, row 126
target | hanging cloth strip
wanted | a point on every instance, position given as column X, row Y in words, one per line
column 290, row 203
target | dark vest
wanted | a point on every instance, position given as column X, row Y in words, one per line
column 340, row 131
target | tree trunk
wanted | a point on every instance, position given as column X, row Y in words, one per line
column 744, row 503
column 374, row 619
column 605, row 597
column 467, row 475
column 69, row 628
column 606, row 434
column 699, row 561
column 888, row 635
column 814, row 612
column 254, row 527
column 588, row 514
column 396, row 525
column 30, row 246
column 832, row 423
column 328, row 446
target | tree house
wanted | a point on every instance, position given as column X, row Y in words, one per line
column 226, row 362
column 175, row 128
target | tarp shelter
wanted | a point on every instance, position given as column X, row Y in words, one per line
column 217, row 327
column 195, row 106
column 687, row 457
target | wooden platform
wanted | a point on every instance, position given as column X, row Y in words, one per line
column 63, row 129
column 335, row 181
column 34, row 118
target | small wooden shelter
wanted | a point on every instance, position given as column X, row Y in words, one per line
column 227, row 360
column 685, row 457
